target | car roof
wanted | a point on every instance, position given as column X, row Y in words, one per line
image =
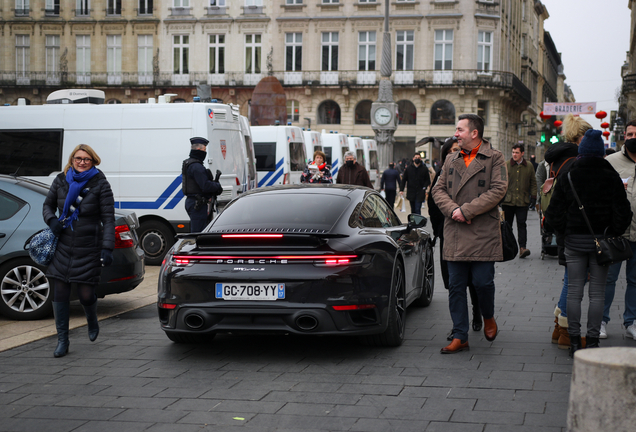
column 354, row 192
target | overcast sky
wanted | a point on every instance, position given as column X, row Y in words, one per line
column 593, row 38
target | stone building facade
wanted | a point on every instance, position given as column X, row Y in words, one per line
column 627, row 99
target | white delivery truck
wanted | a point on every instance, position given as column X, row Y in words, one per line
column 313, row 143
column 335, row 145
column 142, row 147
column 280, row 154
column 371, row 161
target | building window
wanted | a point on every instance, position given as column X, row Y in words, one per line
column 404, row 50
column 219, row 3
column 293, row 113
column 181, row 54
column 293, row 51
column 52, row 48
column 253, row 53
column 329, row 112
column 113, row 54
column 52, row 8
column 293, row 2
column 442, row 113
column 144, row 58
column 145, row 7
column 366, row 1
column 407, row 114
column 405, row 1
column 363, row 112
column 181, row 3
column 21, row 7
column 113, row 7
column 22, row 54
column 366, row 51
column 82, row 8
column 443, row 49
column 253, row 2
column 216, row 49
column 83, row 54
column 482, row 110
column 329, row 51
column 484, row 51
column 330, row 1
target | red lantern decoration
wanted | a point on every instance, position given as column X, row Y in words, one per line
column 606, row 134
column 601, row 115
column 605, row 125
column 544, row 116
column 558, row 123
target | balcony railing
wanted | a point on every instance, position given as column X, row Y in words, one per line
column 417, row 78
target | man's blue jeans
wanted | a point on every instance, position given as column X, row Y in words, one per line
column 483, row 277
column 416, row 206
column 630, row 291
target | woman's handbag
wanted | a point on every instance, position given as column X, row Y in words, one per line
column 41, row 246
column 508, row 241
column 609, row 250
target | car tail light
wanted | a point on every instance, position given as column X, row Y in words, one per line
column 167, row 305
column 238, row 183
column 353, row 307
column 123, row 237
column 318, row 260
column 251, row 236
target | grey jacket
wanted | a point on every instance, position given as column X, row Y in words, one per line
column 626, row 168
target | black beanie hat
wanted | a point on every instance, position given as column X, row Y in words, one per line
column 592, row 144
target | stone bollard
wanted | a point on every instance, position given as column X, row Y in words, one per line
column 603, row 390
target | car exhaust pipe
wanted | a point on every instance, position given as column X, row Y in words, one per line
column 194, row 321
column 306, row 322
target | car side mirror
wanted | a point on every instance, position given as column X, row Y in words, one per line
column 416, row 221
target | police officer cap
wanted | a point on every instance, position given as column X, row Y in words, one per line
column 199, row 140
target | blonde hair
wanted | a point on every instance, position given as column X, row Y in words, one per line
column 88, row 149
column 574, row 128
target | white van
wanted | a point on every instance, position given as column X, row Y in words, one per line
column 251, row 181
column 313, row 143
column 335, row 145
column 142, row 147
column 355, row 144
column 280, row 154
column 371, row 160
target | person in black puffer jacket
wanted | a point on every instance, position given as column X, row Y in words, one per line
column 86, row 231
column 605, row 202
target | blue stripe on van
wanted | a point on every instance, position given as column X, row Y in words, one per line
column 261, row 182
column 334, row 171
column 174, row 201
column 132, row 205
column 275, row 178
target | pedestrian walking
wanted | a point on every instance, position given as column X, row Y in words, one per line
column 85, row 228
column 198, row 185
column 389, row 183
column 604, row 201
column 624, row 162
column 418, row 179
column 437, row 223
column 352, row 172
column 472, row 183
column 521, row 194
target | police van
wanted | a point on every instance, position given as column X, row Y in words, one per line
column 371, row 160
column 335, row 145
column 280, row 154
column 251, row 180
column 142, row 147
column 355, row 144
column 313, row 143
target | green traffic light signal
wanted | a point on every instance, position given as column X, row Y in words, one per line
column 554, row 139
column 542, row 137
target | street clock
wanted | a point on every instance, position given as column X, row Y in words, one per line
column 383, row 115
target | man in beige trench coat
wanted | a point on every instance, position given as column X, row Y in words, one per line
column 472, row 183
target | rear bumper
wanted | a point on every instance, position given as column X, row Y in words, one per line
column 126, row 272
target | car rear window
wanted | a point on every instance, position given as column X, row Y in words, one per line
column 283, row 210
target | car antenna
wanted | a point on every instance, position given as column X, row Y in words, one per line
column 15, row 174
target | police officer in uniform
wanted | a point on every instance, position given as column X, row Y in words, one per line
column 198, row 184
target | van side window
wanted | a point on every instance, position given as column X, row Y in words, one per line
column 297, row 159
column 31, row 152
column 373, row 159
column 265, row 156
column 327, row 151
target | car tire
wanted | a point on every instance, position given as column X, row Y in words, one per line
column 428, row 284
column 393, row 336
column 188, row 338
column 25, row 292
column 156, row 239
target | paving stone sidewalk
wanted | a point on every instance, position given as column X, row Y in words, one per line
column 134, row 379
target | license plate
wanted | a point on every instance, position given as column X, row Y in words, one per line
column 250, row 291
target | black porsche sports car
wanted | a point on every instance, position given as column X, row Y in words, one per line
column 305, row 259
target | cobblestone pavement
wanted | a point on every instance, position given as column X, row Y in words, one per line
column 134, row 379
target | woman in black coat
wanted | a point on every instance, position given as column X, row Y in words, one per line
column 605, row 203
column 437, row 221
column 86, row 231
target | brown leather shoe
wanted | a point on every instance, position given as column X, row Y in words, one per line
column 490, row 329
column 455, row 346
column 523, row 252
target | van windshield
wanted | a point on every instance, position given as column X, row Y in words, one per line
column 265, row 156
column 297, row 158
column 373, row 159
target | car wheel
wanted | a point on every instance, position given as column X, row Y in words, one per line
column 155, row 238
column 188, row 338
column 428, row 284
column 24, row 291
column 394, row 334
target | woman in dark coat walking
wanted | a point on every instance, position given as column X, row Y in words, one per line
column 86, row 231
column 605, row 203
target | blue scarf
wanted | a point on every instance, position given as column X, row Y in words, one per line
column 76, row 182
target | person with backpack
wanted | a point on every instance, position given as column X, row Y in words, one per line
column 560, row 158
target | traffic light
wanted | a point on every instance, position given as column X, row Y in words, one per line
column 542, row 137
column 554, row 139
